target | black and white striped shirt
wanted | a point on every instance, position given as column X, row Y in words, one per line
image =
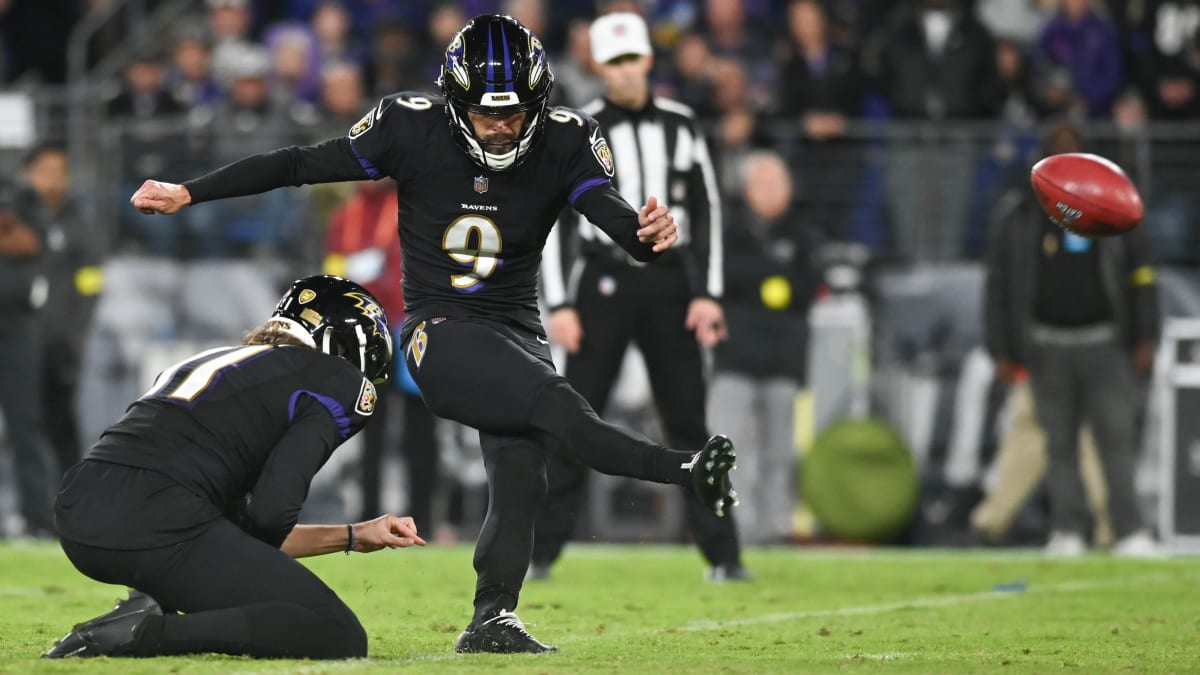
column 659, row 151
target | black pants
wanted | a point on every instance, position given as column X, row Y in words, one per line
column 239, row 595
column 499, row 379
column 138, row 528
column 21, row 404
column 60, row 382
column 618, row 303
column 1096, row 384
column 419, row 445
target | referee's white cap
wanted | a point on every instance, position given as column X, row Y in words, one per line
column 618, row 34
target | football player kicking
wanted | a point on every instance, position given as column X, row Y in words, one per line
column 192, row 497
column 482, row 172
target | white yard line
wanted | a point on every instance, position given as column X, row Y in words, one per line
column 930, row 601
column 855, row 554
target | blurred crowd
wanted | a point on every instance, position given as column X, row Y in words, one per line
column 895, row 126
column 824, row 82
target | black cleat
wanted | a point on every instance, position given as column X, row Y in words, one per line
column 112, row 634
column 719, row 574
column 710, row 474
column 501, row 634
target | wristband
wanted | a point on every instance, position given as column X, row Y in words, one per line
column 350, row 538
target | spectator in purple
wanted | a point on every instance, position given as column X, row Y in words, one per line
column 295, row 63
column 1078, row 60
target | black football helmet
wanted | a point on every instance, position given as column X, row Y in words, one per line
column 495, row 66
column 338, row 317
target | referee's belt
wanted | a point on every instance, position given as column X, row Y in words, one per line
column 1076, row 336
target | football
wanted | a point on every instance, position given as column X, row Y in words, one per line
column 1087, row 194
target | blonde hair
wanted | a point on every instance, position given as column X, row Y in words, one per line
column 270, row 334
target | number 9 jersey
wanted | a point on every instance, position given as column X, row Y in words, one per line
column 473, row 237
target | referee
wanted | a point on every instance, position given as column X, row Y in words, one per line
column 669, row 309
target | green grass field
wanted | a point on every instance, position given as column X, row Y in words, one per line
column 645, row 609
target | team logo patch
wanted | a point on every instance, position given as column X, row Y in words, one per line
column 537, row 54
column 366, row 399
column 455, row 63
column 481, row 184
column 604, row 156
column 363, row 125
column 306, row 296
column 372, row 311
column 418, row 344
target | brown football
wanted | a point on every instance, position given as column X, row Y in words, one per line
column 1087, row 194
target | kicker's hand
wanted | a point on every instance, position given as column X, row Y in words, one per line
column 158, row 197
column 656, row 224
column 386, row 531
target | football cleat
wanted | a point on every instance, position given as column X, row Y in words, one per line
column 719, row 574
column 111, row 634
column 710, row 474
column 501, row 634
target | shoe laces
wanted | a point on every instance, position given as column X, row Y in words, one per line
column 510, row 620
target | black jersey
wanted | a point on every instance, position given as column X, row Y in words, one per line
column 232, row 421
column 471, row 238
column 467, row 231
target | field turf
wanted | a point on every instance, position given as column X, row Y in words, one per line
column 645, row 610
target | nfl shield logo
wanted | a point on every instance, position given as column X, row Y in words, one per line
column 481, row 184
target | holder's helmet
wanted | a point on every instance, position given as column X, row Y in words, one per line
column 496, row 66
column 340, row 318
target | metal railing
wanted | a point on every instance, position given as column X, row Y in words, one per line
column 913, row 192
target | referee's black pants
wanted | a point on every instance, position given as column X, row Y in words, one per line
column 618, row 303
